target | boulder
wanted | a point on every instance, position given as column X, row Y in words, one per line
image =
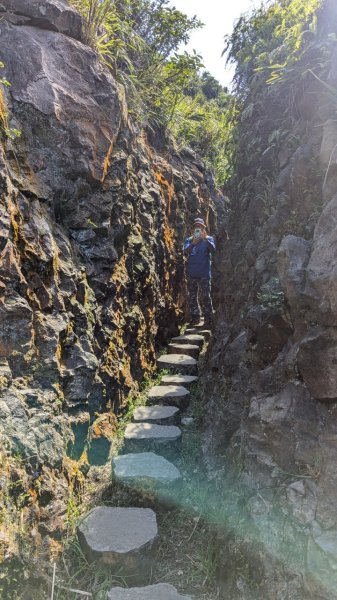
column 321, row 287
column 317, row 359
column 55, row 15
column 293, row 257
column 282, row 429
column 57, row 82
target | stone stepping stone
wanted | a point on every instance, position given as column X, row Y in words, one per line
column 122, row 537
column 206, row 333
column 146, row 437
column 175, row 395
column 200, row 325
column 160, row 415
column 178, row 380
column 192, row 338
column 145, row 471
column 189, row 349
column 159, row 591
column 181, row 363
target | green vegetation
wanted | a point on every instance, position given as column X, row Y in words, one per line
column 5, row 129
column 279, row 54
column 139, row 40
column 271, row 294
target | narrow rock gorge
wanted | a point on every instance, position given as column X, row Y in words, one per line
column 93, row 214
column 95, row 206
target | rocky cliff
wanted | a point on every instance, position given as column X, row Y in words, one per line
column 271, row 378
column 91, row 224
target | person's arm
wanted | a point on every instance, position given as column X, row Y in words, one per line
column 189, row 245
column 210, row 242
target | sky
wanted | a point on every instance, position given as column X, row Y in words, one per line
column 219, row 17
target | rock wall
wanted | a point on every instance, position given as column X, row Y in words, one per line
column 270, row 379
column 92, row 218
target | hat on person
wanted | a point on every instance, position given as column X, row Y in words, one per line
column 199, row 222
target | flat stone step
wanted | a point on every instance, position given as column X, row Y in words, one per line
column 180, row 363
column 206, row 333
column 176, row 395
column 144, row 468
column 159, row 591
column 200, row 325
column 188, row 349
column 178, row 380
column 146, row 437
column 121, row 537
column 158, row 414
column 192, row 338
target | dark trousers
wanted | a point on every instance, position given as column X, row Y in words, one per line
column 199, row 292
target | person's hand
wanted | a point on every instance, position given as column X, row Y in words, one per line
column 203, row 235
column 196, row 241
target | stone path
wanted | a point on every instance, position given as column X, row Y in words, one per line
column 160, row 414
column 125, row 537
column 177, row 395
column 181, row 363
column 144, row 437
column 188, row 349
column 178, row 380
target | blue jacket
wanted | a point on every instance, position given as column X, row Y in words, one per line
column 200, row 258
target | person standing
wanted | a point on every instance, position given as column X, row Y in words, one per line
column 199, row 248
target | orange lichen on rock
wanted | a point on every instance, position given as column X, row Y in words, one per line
column 104, row 426
column 167, row 190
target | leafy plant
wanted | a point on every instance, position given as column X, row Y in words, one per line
column 271, row 294
column 8, row 131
